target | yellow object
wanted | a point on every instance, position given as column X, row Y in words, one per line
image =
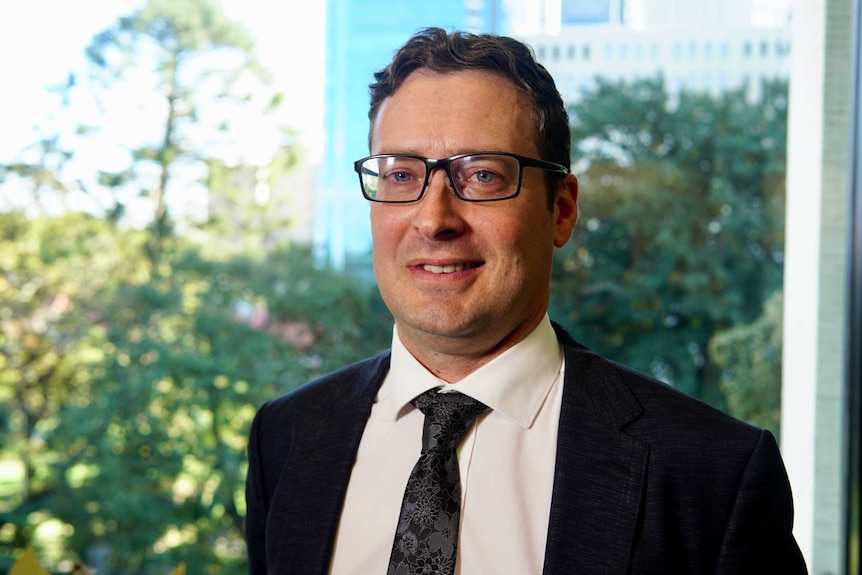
column 27, row 564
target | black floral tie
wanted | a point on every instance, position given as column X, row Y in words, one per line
column 427, row 534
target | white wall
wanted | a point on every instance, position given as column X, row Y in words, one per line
column 815, row 276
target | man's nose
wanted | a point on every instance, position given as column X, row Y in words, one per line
column 439, row 210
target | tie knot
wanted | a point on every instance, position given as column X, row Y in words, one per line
column 448, row 416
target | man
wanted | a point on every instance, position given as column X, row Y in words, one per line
column 566, row 462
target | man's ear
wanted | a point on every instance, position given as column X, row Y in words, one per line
column 565, row 210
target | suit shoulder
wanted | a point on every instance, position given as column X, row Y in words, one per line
column 682, row 433
column 639, row 402
column 668, row 407
column 346, row 384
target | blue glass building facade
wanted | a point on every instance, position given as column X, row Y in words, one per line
column 361, row 38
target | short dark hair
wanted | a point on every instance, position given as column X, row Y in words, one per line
column 437, row 50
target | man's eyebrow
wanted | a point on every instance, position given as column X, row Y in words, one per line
column 466, row 151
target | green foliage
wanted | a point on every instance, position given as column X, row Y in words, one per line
column 130, row 395
column 187, row 25
column 681, row 229
column 132, row 361
column 749, row 357
column 53, row 273
column 40, row 166
column 170, row 30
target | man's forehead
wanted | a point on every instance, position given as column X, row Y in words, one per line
column 428, row 77
column 475, row 105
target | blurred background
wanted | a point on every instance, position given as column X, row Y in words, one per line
column 182, row 237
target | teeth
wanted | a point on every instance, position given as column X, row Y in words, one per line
column 447, row 269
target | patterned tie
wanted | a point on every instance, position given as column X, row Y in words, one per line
column 427, row 533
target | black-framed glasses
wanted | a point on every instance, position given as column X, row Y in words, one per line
column 475, row 177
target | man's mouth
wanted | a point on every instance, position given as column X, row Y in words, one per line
column 449, row 268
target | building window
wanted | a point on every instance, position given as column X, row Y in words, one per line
column 746, row 50
column 585, row 52
column 571, row 52
column 764, row 49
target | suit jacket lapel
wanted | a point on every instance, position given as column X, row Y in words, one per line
column 314, row 482
column 600, row 471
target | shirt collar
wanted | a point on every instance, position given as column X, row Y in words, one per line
column 515, row 383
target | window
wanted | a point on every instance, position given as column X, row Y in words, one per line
column 820, row 343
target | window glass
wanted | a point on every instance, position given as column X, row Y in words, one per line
column 183, row 239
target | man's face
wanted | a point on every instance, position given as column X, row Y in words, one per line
column 463, row 278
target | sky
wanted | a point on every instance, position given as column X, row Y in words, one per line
column 41, row 41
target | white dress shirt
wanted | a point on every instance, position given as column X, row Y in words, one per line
column 506, row 461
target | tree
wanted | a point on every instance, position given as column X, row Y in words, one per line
column 681, row 231
column 194, row 354
column 54, row 274
column 198, row 63
column 128, row 398
column 132, row 362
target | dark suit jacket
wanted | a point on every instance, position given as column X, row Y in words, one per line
column 647, row 480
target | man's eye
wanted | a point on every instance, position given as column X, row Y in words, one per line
column 484, row 176
column 399, row 177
